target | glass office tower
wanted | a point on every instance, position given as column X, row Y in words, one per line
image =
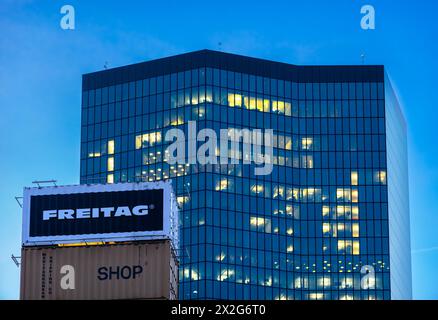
column 332, row 219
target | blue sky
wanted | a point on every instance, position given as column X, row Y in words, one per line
column 41, row 67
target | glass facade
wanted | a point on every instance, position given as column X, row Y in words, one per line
column 317, row 227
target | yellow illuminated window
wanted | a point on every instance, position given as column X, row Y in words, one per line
column 344, row 246
column 110, row 178
column 287, row 109
column 111, row 147
column 355, row 213
column 290, row 248
column 307, row 161
column 257, row 188
column 181, row 200
column 238, row 100
column 340, row 211
column 326, row 229
column 316, row 296
column 339, row 194
column 110, row 163
column 355, row 230
column 94, row 155
column 354, row 196
column 324, row 282
column 266, row 105
column 278, row 192
column 356, row 248
column 231, row 102
column 289, row 209
column 354, row 178
column 195, row 99
column 382, row 177
column 138, row 142
column 252, row 103
column 306, row 143
column 260, row 104
column 325, row 211
column 221, row 185
column 288, row 143
column 290, row 231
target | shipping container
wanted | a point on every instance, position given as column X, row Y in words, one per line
column 100, row 272
column 101, row 212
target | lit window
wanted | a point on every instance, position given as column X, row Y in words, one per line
column 225, row 274
column 354, row 178
column 325, row 211
column 252, row 103
column 381, row 177
column 260, row 104
column 354, row 196
column 316, row 296
column 221, row 257
column 288, row 143
column 287, row 109
column 266, row 105
column 290, row 231
column 355, row 230
column 138, row 142
column 278, row 106
column 257, row 221
column 182, row 200
column 345, row 246
column 110, row 178
column 339, row 194
column 356, row 247
column 355, row 213
column 290, row 248
column 324, row 282
column 307, row 161
column 94, row 155
column 195, row 275
column 278, row 192
column 110, row 163
column 340, row 212
column 195, row 99
column 238, row 100
column 306, row 143
column 231, row 102
column 257, row 188
column 222, row 185
column 326, row 229
column 346, row 283
column 111, row 147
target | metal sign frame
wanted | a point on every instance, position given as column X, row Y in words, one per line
column 170, row 213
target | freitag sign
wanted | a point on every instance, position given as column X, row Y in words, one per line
column 96, row 213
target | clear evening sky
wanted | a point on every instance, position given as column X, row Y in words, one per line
column 41, row 67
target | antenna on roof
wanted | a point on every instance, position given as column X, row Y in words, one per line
column 362, row 57
column 19, row 201
column 39, row 183
column 220, row 45
column 105, row 65
column 15, row 260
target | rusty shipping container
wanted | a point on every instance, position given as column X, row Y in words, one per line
column 120, row 271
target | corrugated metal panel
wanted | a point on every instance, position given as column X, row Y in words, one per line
column 42, row 277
